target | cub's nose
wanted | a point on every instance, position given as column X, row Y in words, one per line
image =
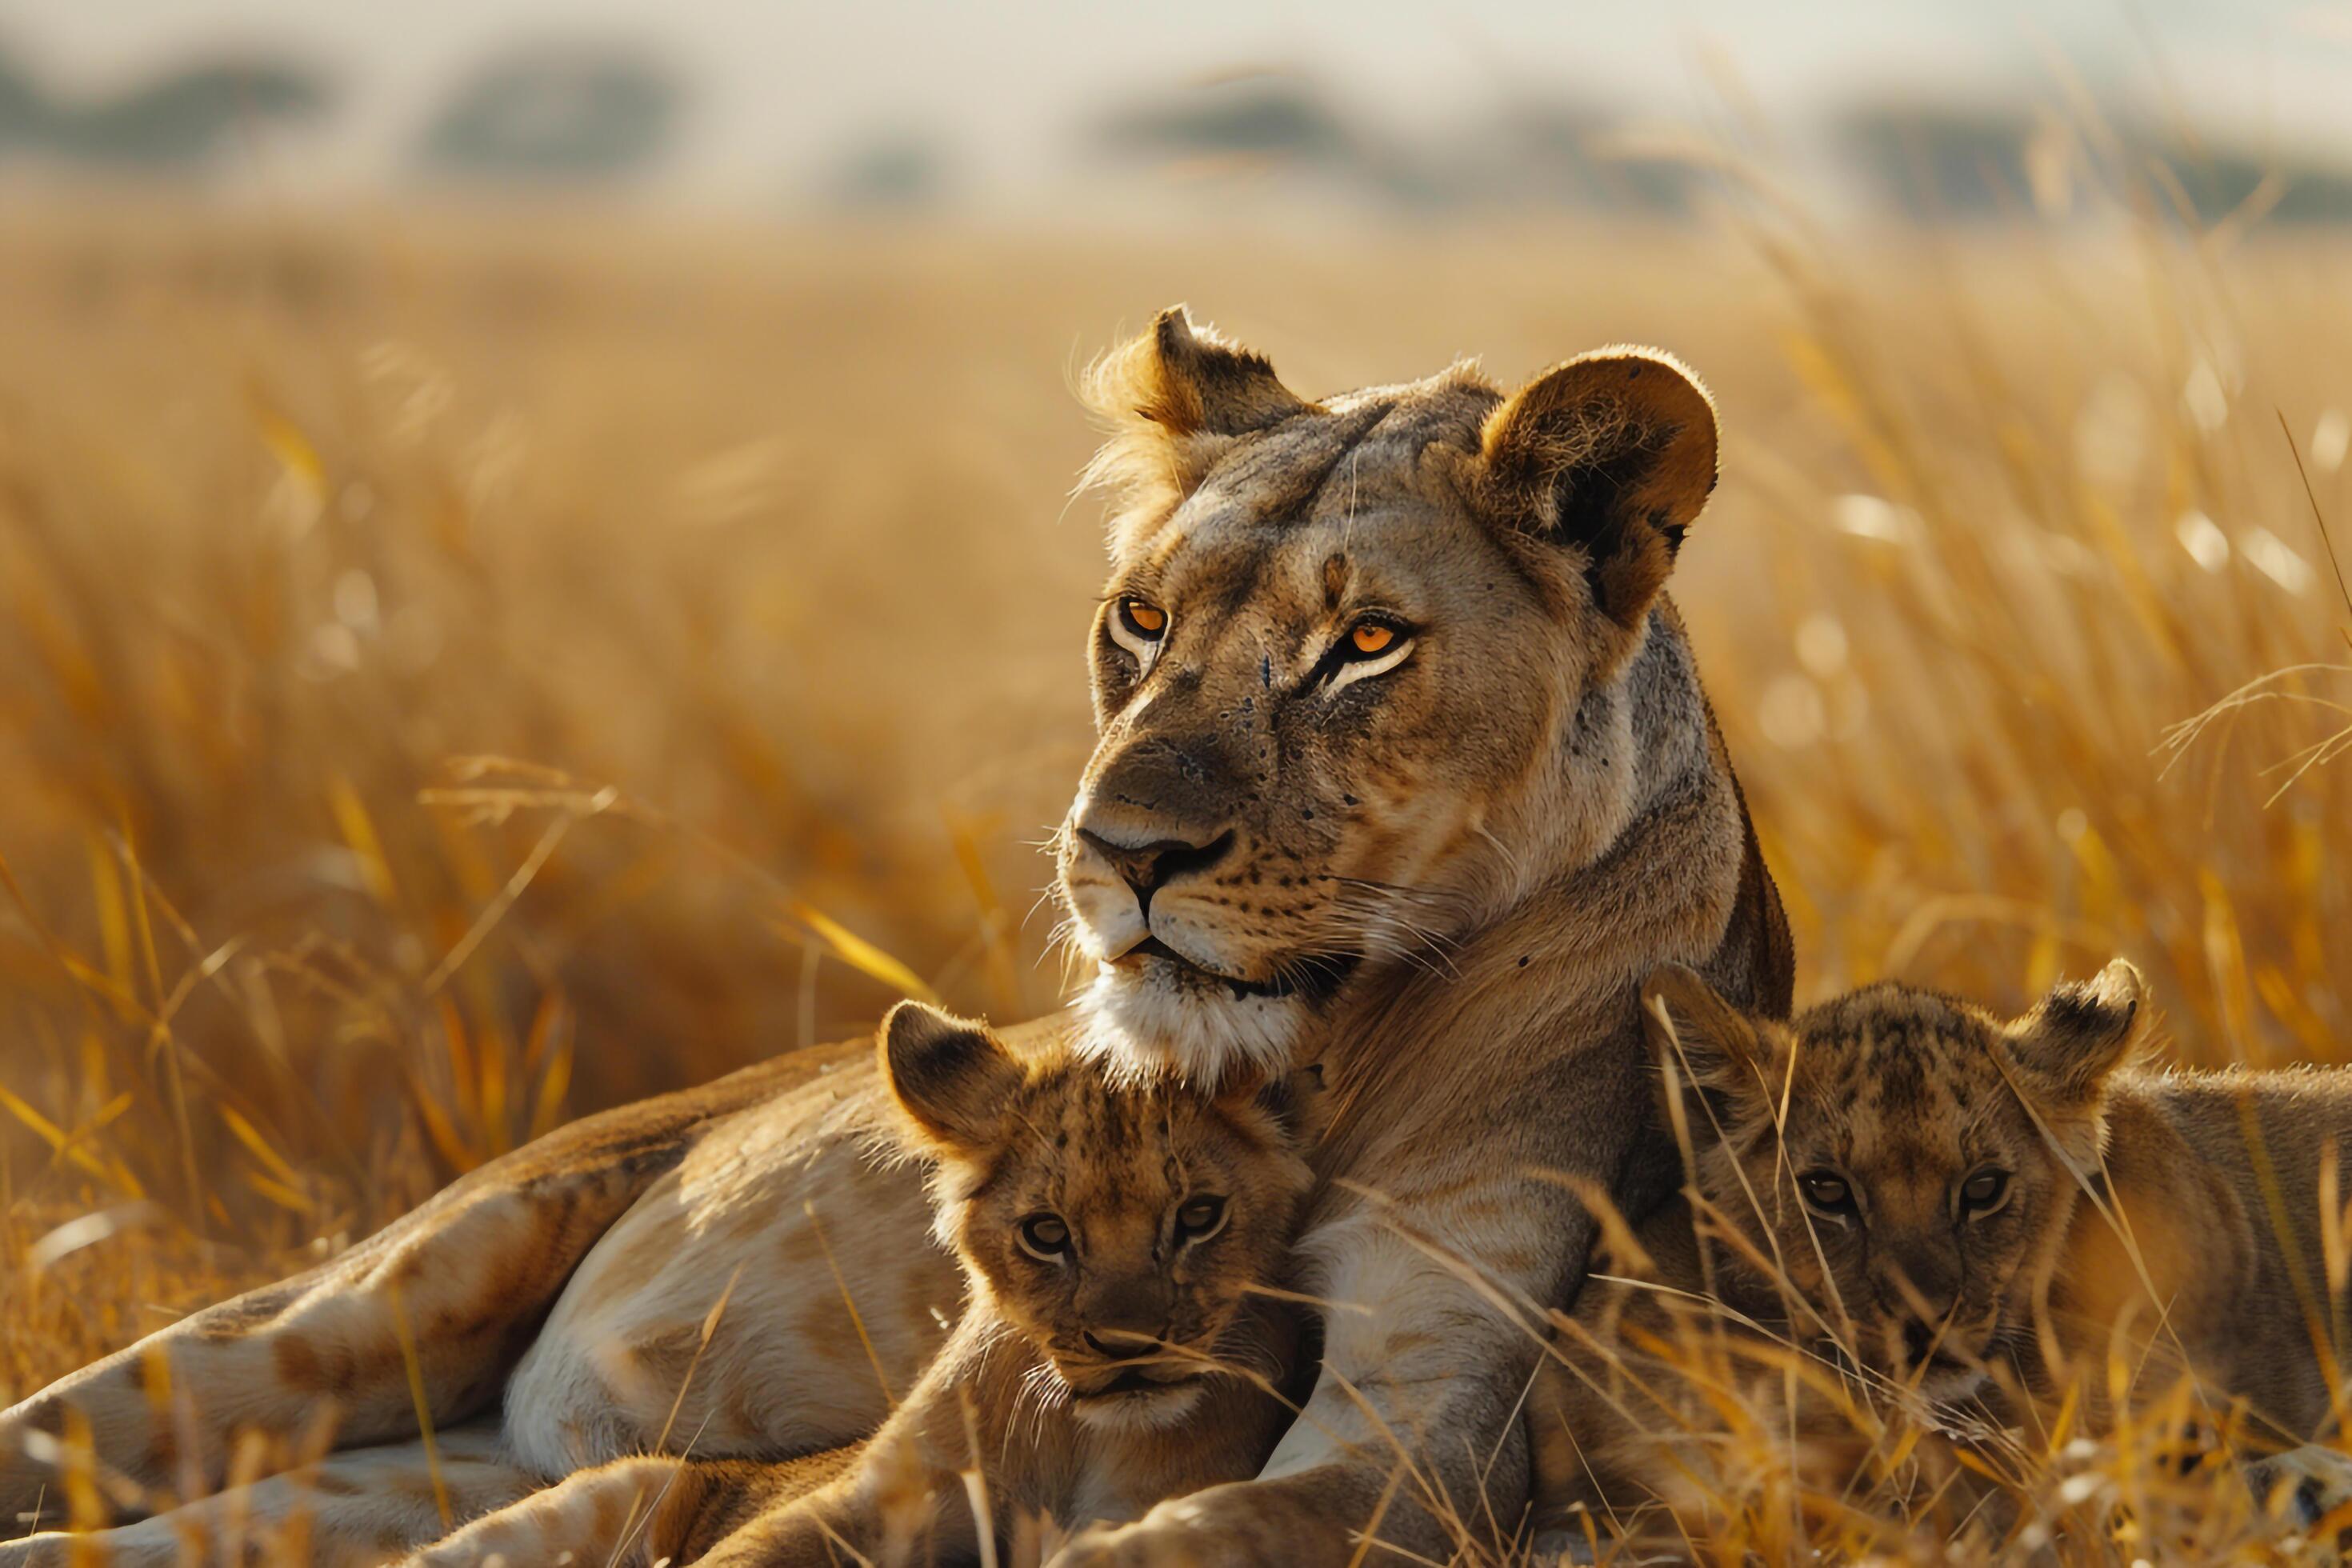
column 1113, row 1344
column 1149, row 867
column 1918, row 1341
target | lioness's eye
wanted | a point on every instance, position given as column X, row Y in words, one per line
column 1373, row 645
column 1982, row 1193
column 1828, row 1191
column 1199, row 1218
column 1137, row 625
column 1371, row 639
column 1044, row 1235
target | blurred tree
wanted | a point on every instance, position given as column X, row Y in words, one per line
column 1538, row 150
column 901, row 169
column 1938, row 165
column 183, row 120
column 1944, row 164
column 1533, row 150
column 556, row 111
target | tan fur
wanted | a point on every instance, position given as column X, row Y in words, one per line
column 1033, row 1392
column 1445, row 880
column 2136, row 1235
column 356, row 1509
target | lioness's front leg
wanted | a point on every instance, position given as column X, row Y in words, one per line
column 359, row 1509
column 459, row 1285
column 604, row 1515
column 638, row 1512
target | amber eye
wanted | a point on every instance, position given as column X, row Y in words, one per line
column 1044, row 1235
column 1138, row 628
column 1372, row 641
column 1982, row 1193
column 1201, row 1219
column 1828, row 1191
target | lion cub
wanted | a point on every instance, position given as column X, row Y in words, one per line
column 1113, row 1353
column 1956, row 1205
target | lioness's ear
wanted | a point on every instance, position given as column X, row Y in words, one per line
column 1706, row 1042
column 952, row 1076
column 1611, row 455
column 1195, row 382
column 1174, row 398
column 2082, row 1032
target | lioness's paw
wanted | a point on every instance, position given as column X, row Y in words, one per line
column 50, row 1548
column 1165, row 1538
column 1127, row 1546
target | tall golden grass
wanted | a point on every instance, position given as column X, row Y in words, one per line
column 460, row 672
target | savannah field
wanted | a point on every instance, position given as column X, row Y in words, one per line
column 461, row 671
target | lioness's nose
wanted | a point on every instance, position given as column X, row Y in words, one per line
column 1147, row 868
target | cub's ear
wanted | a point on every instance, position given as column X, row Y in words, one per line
column 1707, row 1043
column 1174, row 398
column 1295, row 1100
column 1610, row 456
column 2082, row 1032
column 952, row 1077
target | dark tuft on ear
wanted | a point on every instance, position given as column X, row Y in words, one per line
column 952, row 1077
column 2082, row 1031
column 1707, row 1044
column 1172, row 400
column 1611, row 455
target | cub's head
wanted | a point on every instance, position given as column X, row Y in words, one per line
column 1925, row 1172
column 1355, row 670
column 1118, row 1227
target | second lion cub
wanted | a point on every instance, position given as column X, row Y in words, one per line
column 1115, row 1351
column 1915, row 1199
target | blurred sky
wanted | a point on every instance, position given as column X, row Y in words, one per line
column 783, row 86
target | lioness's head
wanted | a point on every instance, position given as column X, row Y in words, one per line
column 1921, row 1179
column 1119, row 1226
column 1345, row 667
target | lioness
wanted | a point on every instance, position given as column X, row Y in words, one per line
column 1403, row 764
column 1957, row 1208
column 1112, row 1352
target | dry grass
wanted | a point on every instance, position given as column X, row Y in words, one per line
column 755, row 548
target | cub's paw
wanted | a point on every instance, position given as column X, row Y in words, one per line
column 2309, row 1490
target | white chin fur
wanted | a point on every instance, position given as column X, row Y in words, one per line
column 1144, row 1022
column 1136, row 1412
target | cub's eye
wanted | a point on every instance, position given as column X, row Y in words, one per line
column 1044, row 1235
column 1199, row 1218
column 1828, row 1191
column 1137, row 625
column 1982, row 1193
